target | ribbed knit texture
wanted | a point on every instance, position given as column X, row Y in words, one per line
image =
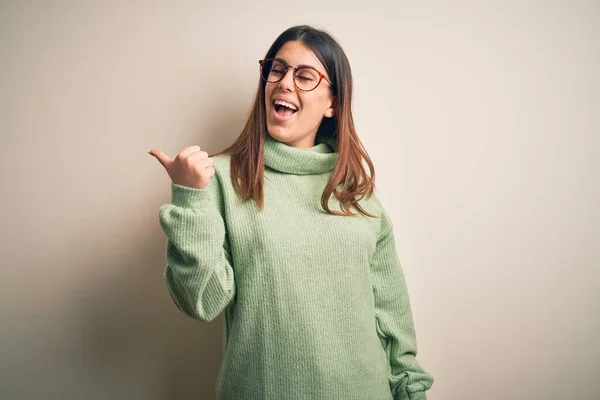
column 315, row 305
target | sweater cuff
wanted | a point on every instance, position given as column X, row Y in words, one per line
column 187, row 197
column 411, row 396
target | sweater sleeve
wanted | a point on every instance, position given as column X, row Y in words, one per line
column 199, row 272
column 394, row 321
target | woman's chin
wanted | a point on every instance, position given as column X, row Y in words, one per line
column 280, row 134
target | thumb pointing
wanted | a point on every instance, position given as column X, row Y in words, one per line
column 162, row 158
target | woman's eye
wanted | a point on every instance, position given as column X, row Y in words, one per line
column 276, row 71
column 304, row 78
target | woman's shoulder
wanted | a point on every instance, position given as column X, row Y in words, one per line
column 375, row 206
column 221, row 161
column 222, row 166
column 372, row 204
column 222, row 179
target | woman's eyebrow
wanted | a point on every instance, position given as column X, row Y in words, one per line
column 297, row 66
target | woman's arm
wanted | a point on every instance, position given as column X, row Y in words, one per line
column 199, row 273
column 408, row 380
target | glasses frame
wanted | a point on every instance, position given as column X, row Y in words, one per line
column 286, row 67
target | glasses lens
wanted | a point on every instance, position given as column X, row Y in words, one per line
column 273, row 71
column 307, row 78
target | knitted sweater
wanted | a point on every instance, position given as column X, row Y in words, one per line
column 315, row 305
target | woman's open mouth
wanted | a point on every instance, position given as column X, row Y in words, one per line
column 283, row 109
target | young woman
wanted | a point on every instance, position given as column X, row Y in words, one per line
column 282, row 233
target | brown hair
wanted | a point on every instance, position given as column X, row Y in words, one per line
column 349, row 181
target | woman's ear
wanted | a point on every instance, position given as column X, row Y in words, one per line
column 330, row 112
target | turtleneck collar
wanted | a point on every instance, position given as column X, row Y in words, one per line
column 318, row 159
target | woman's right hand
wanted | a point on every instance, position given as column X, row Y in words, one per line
column 192, row 167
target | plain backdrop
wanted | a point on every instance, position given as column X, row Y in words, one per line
column 482, row 118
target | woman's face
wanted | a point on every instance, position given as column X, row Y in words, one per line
column 297, row 128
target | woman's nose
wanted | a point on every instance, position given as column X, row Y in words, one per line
column 287, row 82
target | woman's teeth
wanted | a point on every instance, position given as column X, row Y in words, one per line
column 285, row 104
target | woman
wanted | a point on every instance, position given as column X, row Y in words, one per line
column 282, row 233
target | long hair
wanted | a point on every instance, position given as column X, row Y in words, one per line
column 350, row 181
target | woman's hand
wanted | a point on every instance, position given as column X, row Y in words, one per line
column 192, row 167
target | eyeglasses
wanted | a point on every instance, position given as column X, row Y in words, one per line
column 306, row 78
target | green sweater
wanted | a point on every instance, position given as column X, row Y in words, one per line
column 315, row 305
